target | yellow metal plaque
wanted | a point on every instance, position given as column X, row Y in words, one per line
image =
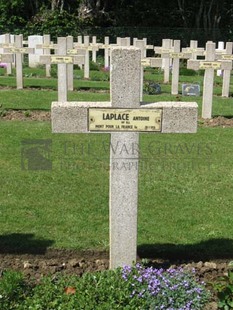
column 191, row 50
column 49, row 46
column 177, row 55
column 210, row 64
column 165, row 50
column 61, row 60
column 145, row 62
column 136, row 120
column 227, row 57
column 72, row 51
column 19, row 50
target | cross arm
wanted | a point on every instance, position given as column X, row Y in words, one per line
column 7, row 58
column 62, row 59
column 203, row 64
column 20, row 50
column 72, row 117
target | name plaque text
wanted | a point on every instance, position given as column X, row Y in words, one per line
column 210, row 64
column 61, row 59
column 107, row 119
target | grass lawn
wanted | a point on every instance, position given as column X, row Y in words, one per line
column 185, row 181
column 185, row 189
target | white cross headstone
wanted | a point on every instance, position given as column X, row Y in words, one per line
column 123, row 41
column 209, row 65
column 226, row 74
column 94, row 51
column 62, row 60
column 5, row 39
column 220, row 49
column 18, row 50
column 124, row 118
column 106, row 52
column 34, row 59
column 194, row 50
column 47, row 46
column 175, row 55
column 166, row 48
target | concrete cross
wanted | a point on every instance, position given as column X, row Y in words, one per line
column 124, row 117
column 6, row 39
column 226, row 55
column 61, row 59
column 18, row 50
column 175, row 55
column 220, row 50
column 165, row 48
column 123, row 41
column 209, row 65
column 153, row 62
column 47, row 46
column 194, row 50
column 87, row 48
column 7, row 58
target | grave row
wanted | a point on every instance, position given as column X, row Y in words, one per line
column 66, row 53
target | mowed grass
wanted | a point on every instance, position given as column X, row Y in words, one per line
column 185, row 191
column 39, row 91
column 185, row 181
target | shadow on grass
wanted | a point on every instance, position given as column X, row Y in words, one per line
column 222, row 115
column 207, row 250
column 23, row 244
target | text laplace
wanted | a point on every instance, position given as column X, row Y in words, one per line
column 116, row 116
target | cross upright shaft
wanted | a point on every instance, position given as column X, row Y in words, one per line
column 123, row 196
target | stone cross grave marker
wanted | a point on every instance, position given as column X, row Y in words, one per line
column 226, row 55
column 61, row 59
column 175, row 55
column 220, row 49
column 33, row 41
column 7, row 58
column 18, row 50
column 152, row 62
column 194, row 50
column 166, row 48
column 47, row 46
column 209, row 65
column 78, row 51
column 6, row 41
column 123, row 41
column 85, row 46
column 124, row 117
column 106, row 52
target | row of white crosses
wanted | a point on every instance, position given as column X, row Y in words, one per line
column 169, row 51
column 209, row 64
column 167, row 54
column 16, row 50
column 69, row 53
column 64, row 62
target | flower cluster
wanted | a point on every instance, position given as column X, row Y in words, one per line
column 3, row 65
column 166, row 289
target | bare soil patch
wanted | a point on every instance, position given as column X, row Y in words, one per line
column 54, row 261
column 37, row 115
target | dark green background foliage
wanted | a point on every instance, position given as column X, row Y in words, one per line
column 177, row 19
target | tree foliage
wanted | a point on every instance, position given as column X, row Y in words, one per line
column 40, row 15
